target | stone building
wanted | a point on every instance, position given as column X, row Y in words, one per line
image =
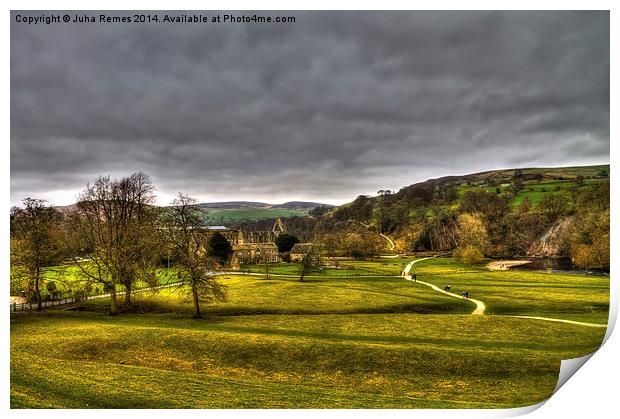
column 254, row 246
column 254, row 253
column 300, row 250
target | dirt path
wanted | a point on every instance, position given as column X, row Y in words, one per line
column 548, row 319
column 392, row 245
column 480, row 306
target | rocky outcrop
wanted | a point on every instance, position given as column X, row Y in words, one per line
column 553, row 242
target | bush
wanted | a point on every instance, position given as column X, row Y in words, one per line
column 470, row 255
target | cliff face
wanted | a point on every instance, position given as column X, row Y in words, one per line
column 553, row 242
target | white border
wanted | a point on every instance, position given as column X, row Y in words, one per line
column 591, row 394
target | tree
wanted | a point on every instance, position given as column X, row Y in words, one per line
column 470, row 255
column 114, row 226
column 319, row 211
column 525, row 205
column 554, row 205
column 595, row 197
column 473, row 240
column 220, row 248
column 579, row 180
column 330, row 242
column 285, row 242
column 34, row 243
column 493, row 206
column 521, row 229
column 310, row 262
column 590, row 245
column 517, row 185
column 182, row 224
column 383, row 193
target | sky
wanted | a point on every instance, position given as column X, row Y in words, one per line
column 334, row 105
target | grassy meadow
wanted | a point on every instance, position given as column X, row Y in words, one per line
column 513, row 292
column 330, row 342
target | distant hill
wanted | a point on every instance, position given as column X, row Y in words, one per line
column 300, row 205
column 65, row 209
column 234, row 205
column 235, row 212
column 292, row 205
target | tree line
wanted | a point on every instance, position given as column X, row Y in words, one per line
column 116, row 238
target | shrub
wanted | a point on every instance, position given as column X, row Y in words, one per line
column 470, row 255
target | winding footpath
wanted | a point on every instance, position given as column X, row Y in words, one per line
column 392, row 245
column 480, row 306
column 549, row 319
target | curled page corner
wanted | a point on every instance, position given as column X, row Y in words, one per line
column 568, row 368
column 519, row 411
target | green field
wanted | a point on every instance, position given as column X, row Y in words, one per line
column 333, row 341
column 554, row 180
column 339, row 268
column 214, row 216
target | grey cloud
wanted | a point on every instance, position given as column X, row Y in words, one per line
column 337, row 104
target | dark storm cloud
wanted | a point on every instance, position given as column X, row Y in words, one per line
column 334, row 105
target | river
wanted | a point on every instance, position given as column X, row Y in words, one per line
column 563, row 265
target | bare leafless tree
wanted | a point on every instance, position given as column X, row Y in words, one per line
column 188, row 242
column 34, row 242
column 114, row 225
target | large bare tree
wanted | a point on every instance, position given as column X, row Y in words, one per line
column 114, row 226
column 189, row 244
column 34, row 243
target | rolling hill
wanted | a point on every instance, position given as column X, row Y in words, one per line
column 234, row 212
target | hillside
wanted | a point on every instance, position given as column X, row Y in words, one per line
column 531, row 183
column 292, row 205
column 502, row 212
column 234, row 212
column 234, row 205
column 66, row 209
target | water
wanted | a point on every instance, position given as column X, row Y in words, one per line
column 563, row 265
